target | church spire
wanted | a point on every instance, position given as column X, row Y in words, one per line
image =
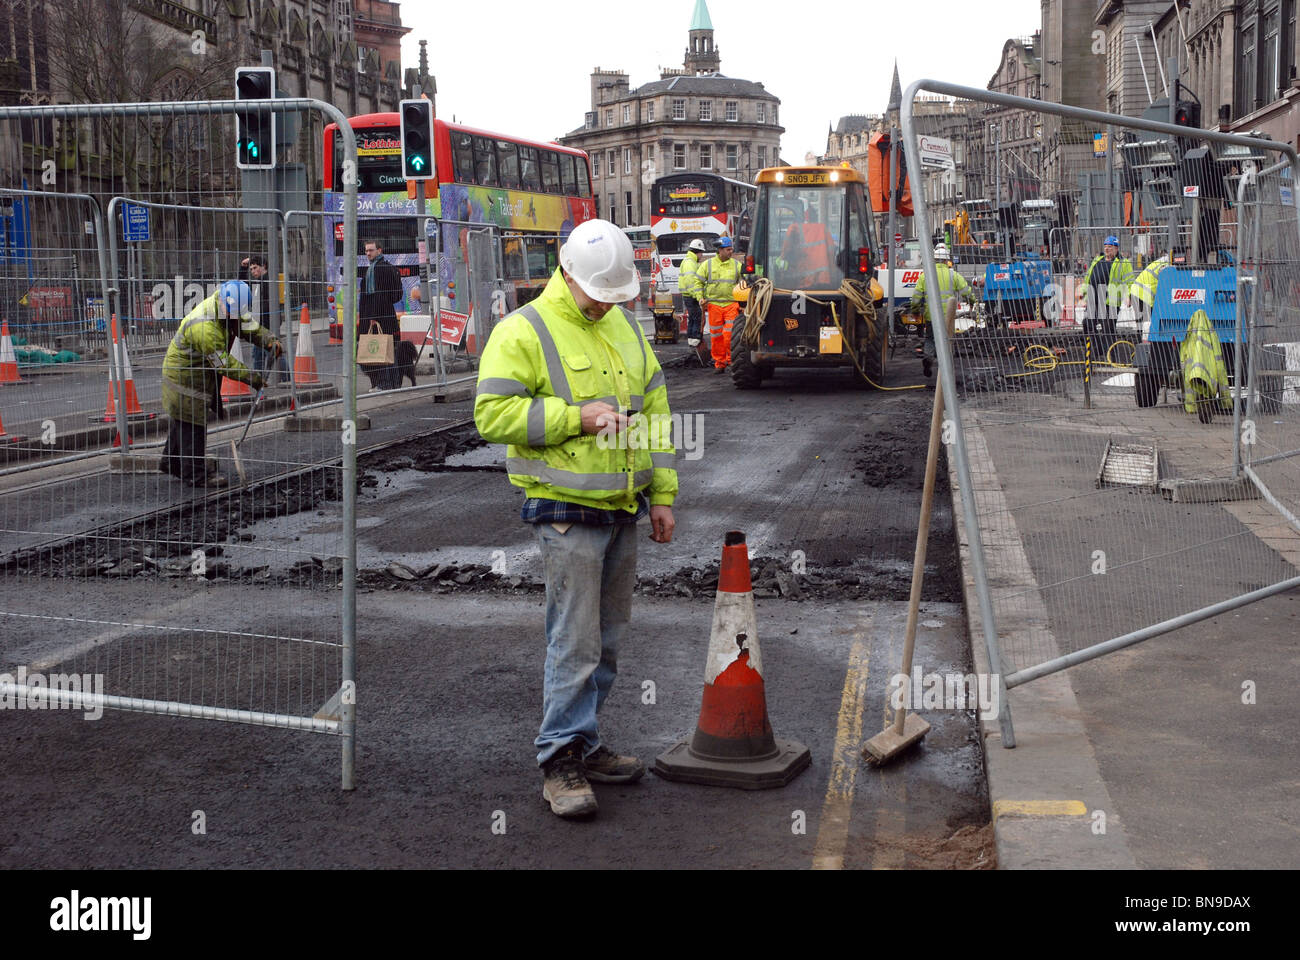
column 701, row 55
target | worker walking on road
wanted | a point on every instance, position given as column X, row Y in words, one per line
column 951, row 284
column 561, row 382
column 719, row 277
column 199, row 356
column 692, row 291
column 1107, row 282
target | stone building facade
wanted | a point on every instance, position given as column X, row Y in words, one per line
column 690, row 119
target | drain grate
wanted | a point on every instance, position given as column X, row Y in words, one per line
column 1130, row 465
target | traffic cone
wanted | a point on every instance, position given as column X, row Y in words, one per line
column 235, row 390
column 8, row 359
column 304, row 356
column 733, row 745
column 8, row 437
column 133, row 409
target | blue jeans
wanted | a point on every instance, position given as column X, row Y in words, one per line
column 694, row 319
column 590, row 572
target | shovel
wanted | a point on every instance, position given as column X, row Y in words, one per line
column 234, row 444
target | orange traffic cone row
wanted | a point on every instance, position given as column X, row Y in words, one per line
column 8, row 359
column 235, row 390
column 304, row 356
column 733, row 745
column 133, row 409
column 8, row 437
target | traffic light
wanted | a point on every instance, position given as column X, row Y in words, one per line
column 417, row 139
column 255, row 130
column 1187, row 114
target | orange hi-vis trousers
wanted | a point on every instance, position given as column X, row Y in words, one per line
column 721, row 317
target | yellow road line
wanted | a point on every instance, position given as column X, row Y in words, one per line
column 833, row 827
column 1039, row 808
column 890, row 819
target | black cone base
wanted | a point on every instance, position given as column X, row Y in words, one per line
column 680, row 764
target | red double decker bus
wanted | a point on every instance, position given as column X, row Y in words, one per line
column 532, row 194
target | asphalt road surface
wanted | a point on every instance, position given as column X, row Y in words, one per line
column 449, row 674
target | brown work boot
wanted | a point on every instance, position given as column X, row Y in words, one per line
column 606, row 766
column 565, row 786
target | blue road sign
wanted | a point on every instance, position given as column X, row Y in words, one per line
column 135, row 222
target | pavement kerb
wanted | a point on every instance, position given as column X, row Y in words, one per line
column 1043, row 793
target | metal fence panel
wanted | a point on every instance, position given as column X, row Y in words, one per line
column 1088, row 381
column 139, row 226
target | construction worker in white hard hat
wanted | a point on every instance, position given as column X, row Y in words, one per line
column 951, row 284
column 692, row 291
column 719, row 278
column 561, row 381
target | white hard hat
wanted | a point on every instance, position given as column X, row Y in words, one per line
column 697, row 245
column 598, row 255
column 941, row 252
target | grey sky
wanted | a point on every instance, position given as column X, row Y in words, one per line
column 523, row 67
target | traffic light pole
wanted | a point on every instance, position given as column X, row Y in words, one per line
column 423, row 225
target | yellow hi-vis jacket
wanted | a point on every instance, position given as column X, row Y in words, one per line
column 198, row 356
column 951, row 284
column 1144, row 285
column 1117, row 280
column 688, row 279
column 720, row 280
column 541, row 365
column 1205, row 375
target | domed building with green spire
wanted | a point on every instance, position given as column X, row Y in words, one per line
column 693, row 118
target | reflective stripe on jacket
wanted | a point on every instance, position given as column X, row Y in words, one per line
column 720, row 280
column 688, row 279
column 541, row 365
column 951, row 284
column 1121, row 275
column 197, row 357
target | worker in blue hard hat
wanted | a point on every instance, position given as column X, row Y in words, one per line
column 1106, row 282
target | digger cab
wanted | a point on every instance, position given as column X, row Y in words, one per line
column 812, row 228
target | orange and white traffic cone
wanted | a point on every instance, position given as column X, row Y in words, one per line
column 733, row 745
column 8, row 437
column 8, row 359
column 235, row 390
column 304, row 355
column 133, row 409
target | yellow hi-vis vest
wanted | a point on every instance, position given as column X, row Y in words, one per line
column 688, row 278
column 546, row 361
column 1144, row 286
column 951, row 284
column 720, row 280
column 1117, row 280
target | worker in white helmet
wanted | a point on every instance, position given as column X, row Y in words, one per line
column 561, row 381
column 951, row 284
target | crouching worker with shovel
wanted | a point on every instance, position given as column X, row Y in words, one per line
column 199, row 356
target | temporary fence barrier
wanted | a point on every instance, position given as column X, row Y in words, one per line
column 162, row 236
column 1138, row 516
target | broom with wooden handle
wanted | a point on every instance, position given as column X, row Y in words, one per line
column 907, row 728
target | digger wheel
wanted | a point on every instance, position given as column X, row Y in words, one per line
column 744, row 375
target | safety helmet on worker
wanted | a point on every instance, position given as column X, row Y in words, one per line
column 723, row 243
column 1112, row 241
column 941, row 252
column 599, row 257
column 697, row 245
column 236, row 299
